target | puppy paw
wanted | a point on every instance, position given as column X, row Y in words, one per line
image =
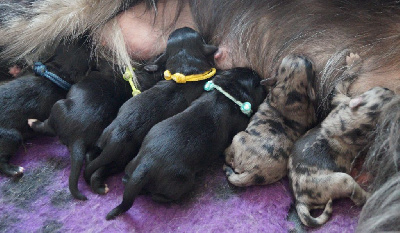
column 32, row 121
column 11, row 170
column 228, row 170
column 14, row 70
column 352, row 59
column 106, row 189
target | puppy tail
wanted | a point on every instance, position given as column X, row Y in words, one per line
column 308, row 220
column 133, row 187
column 77, row 153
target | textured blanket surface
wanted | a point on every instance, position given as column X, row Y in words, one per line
column 40, row 202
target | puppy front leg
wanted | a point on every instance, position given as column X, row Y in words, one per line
column 41, row 127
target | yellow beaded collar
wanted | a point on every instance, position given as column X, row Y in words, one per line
column 181, row 78
column 128, row 76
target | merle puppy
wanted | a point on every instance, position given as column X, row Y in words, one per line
column 322, row 159
column 187, row 54
column 258, row 155
column 176, row 149
column 31, row 96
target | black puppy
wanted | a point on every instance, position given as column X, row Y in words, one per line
column 176, row 149
column 31, row 96
column 79, row 120
column 186, row 54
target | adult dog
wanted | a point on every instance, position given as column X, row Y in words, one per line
column 257, row 34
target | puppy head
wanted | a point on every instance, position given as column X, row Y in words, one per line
column 371, row 101
column 243, row 84
column 292, row 86
column 354, row 120
column 187, row 53
column 292, row 92
column 71, row 61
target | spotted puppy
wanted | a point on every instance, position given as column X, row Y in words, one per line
column 32, row 96
column 187, row 54
column 322, row 159
column 176, row 149
column 258, row 155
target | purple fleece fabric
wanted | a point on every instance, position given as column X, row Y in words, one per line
column 40, row 202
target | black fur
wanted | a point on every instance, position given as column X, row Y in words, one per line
column 176, row 149
column 30, row 96
column 79, row 120
column 187, row 54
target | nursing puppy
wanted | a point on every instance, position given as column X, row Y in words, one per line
column 31, row 96
column 79, row 120
column 176, row 149
column 322, row 159
column 187, row 54
column 258, row 155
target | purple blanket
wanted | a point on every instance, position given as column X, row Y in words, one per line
column 40, row 202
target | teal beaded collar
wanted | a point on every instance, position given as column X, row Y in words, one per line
column 244, row 107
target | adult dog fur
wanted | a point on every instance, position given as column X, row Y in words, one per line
column 187, row 54
column 176, row 149
column 31, row 96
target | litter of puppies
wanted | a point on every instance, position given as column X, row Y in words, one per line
column 170, row 130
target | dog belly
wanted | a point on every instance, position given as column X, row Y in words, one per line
column 367, row 81
column 148, row 37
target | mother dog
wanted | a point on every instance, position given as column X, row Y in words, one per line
column 255, row 33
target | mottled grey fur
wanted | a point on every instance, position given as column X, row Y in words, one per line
column 258, row 155
column 322, row 159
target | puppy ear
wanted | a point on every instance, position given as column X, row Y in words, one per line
column 311, row 93
column 155, row 65
column 355, row 102
column 161, row 59
column 209, row 49
column 151, row 68
column 269, row 82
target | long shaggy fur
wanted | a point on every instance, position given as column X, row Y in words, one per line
column 30, row 28
column 381, row 212
column 383, row 159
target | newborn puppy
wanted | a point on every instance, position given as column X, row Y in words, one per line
column 322, row 159
column 176, row 149
column 258, row 155
column 79, row 120
column 31, row 96
column 186, row 54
